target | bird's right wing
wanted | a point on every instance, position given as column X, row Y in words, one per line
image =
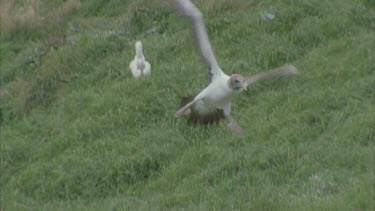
column 185, row 108
column 282, row 71
column 147, row 70
column 192, row 13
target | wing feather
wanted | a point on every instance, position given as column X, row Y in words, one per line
column 192, row 13
column 282, row 71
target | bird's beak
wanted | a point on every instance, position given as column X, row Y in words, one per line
column 244, row 87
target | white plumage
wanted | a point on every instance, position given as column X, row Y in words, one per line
column 214, row 102
column 139, row 66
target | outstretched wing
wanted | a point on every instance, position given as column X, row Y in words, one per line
column 192, row 13
column 282, row 71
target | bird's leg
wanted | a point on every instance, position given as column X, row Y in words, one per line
column 234, row 126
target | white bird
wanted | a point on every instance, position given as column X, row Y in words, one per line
column 139, row 66
column 214, row 102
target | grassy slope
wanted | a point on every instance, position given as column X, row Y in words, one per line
column 77, row 132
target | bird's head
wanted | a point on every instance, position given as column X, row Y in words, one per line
column 237, row 82
column 138, row 49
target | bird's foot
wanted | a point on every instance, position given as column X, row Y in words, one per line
column 235, row 127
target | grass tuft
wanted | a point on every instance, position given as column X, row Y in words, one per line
column 79, row 133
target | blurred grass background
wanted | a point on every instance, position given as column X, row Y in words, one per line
column 79, row 133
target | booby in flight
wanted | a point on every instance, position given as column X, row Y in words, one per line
column 139, row 66
column 214, row 102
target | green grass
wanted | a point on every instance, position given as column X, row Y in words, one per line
column 79, row 133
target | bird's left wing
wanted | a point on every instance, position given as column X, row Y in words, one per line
column 192, row 13
column 282, row 71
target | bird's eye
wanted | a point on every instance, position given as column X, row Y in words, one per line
column 236, row 81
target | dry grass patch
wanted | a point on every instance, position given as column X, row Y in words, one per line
column 19, row 18
column 33, row 15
